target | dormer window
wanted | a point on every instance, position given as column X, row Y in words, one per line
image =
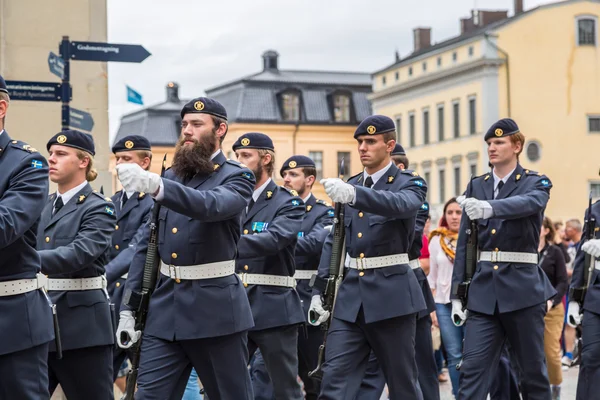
column 341, row 108
column 290, row 106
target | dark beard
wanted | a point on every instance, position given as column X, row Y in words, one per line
column 258, row 171
column 195, row 159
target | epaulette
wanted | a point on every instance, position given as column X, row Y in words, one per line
column 323, row 202
column 236, row 163
column 17, row 144
column 103, row 197
column 408, row 172
column 530, row 172
column 355, row 176
column 290, row 191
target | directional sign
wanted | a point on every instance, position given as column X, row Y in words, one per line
column 56, row 65
column 93, row 51
column 81, row 119
column 34, row 91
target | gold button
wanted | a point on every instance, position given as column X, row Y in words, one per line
column 495, row 267
column 493, row 231
column 174, row 230
column 245, row 231
column 246, row 267
column 177, row 280
column 360, row 214
column 117, row 246
column 47, row 239
column 359, row 234
column 362, row 255
column 496, row 249
column 245, row 284
column 361, row 273
column 116, row 227
column 174, row 255
column 118, row 284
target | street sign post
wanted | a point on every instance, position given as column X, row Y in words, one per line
column 56, row 65
column 81, row 120
column 35, row 91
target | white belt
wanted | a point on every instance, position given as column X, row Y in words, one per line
column 20, row 286
column 268, row 280
column 124, row 276
column 217, row 269
column 304, row 274
column 414, row 264
column 97, row 282
column 378, row 262
column 508, row 256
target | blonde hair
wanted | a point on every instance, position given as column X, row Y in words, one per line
column 90, row 173
column 518, row 138
column 270, row 166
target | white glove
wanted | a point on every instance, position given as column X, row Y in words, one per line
column 459, row 315
column 135, row 179
column 328, row 228
column 126, row 333
column 592, row 247
column 477, row 209
column 339, row 191
column 574, row 316
column 316, row 307
column 460, row 200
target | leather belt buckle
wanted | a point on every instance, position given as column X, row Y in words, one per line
column 495, row 256
column 360, row 264
column 243, row 277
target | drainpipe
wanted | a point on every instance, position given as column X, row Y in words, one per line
column 505, row 54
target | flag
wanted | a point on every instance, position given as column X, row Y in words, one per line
column 134, row 97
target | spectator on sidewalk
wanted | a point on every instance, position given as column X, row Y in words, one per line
column 573, row 233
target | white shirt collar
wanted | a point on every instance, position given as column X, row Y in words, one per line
column 377, row 175
column 216, row 153
column 505, row 179
column 2, row 131
column 259, row 191
column 68, row 195
column 129, row 194
column 305, row 200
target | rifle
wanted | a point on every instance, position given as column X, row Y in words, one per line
column 330, row 287
column 578, row 294
column 140, row 301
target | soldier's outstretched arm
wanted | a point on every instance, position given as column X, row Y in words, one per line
column 23, row 201
column 525, row 205
column 312, row 243
column 400, row 204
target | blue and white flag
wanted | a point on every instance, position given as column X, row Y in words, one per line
column 134, row 97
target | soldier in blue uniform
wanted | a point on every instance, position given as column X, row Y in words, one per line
column 379, row 298
column 24, row 342
column 133, row 211
column 266, row 266
column 299, row 174
column 374, row 381
column 588, row 383
column 73, row 240
column 199, row 313
column 508, row 294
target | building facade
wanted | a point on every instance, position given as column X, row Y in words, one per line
column 539, row 67
column 29, row 31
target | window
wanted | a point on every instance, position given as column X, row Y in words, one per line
column 409, row 71
column 411, row 129
column 456, row 114
column 425, row 126
column 533, row 151
column 473, row 172
column 442, row 184
column 341, row 108
column 439, row 61
column 290, row 105
column 586, row 31
column 594, row 124
column 317, row 157
column 471, row 51
column 595, row 189
column 440, row 123
column 398, row 130
column 424, row 67
column 343, row 155
column 457, row 187
column 383, row 80
column 472, row 116
column 427, row 177
column 397, row 75
column 454, row 56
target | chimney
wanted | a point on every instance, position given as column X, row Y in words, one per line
column 489, row 17
column 270, row 60
column 518, row 7
column 467, row 25
column 397, row 55
column 422, row 38
column 173, row 92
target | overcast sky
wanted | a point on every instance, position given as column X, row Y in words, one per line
column 200, row 43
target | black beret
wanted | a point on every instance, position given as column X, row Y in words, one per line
column 254, row 140
column 75, row 139
column 398, row 150
column 375, row 125
column 296, row 162
column 503, row 128
column 3, row 87
column 204, row 105
column 132, row 142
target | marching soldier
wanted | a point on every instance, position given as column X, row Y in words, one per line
column 588, row 383
column 199, row 313
column 73, row 239
column 374, row 381
column 299, row 174
column 379, row 298
column 508, row 294
column 133, row 211
column 266, row 266
column 26, row 319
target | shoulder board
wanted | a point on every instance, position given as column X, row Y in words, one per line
column 290, row 191
column 101, row 196
column 530, row 172
column 17, row 144
column 323, row 202
column 355, row 176
column 408, row 172
column 235, row 163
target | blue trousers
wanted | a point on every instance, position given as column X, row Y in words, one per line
column 588, row 383
column 452, row 339
column 192, row 389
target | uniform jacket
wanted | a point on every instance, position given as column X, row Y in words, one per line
column 74, row 244
column 128, row 230
column 381, row 222
column 592, row 297
column 23, row 193
column 515, row 227
column 270, row 230
column 415, row 253
column 199, row 223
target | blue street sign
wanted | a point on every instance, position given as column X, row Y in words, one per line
column 134, row 97
column 81, row 119
column 56, row 65
column 34, row 91
column 93, row 51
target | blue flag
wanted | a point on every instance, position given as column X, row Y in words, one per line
column 134, row 97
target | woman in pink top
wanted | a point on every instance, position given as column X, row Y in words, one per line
column 442, row 246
